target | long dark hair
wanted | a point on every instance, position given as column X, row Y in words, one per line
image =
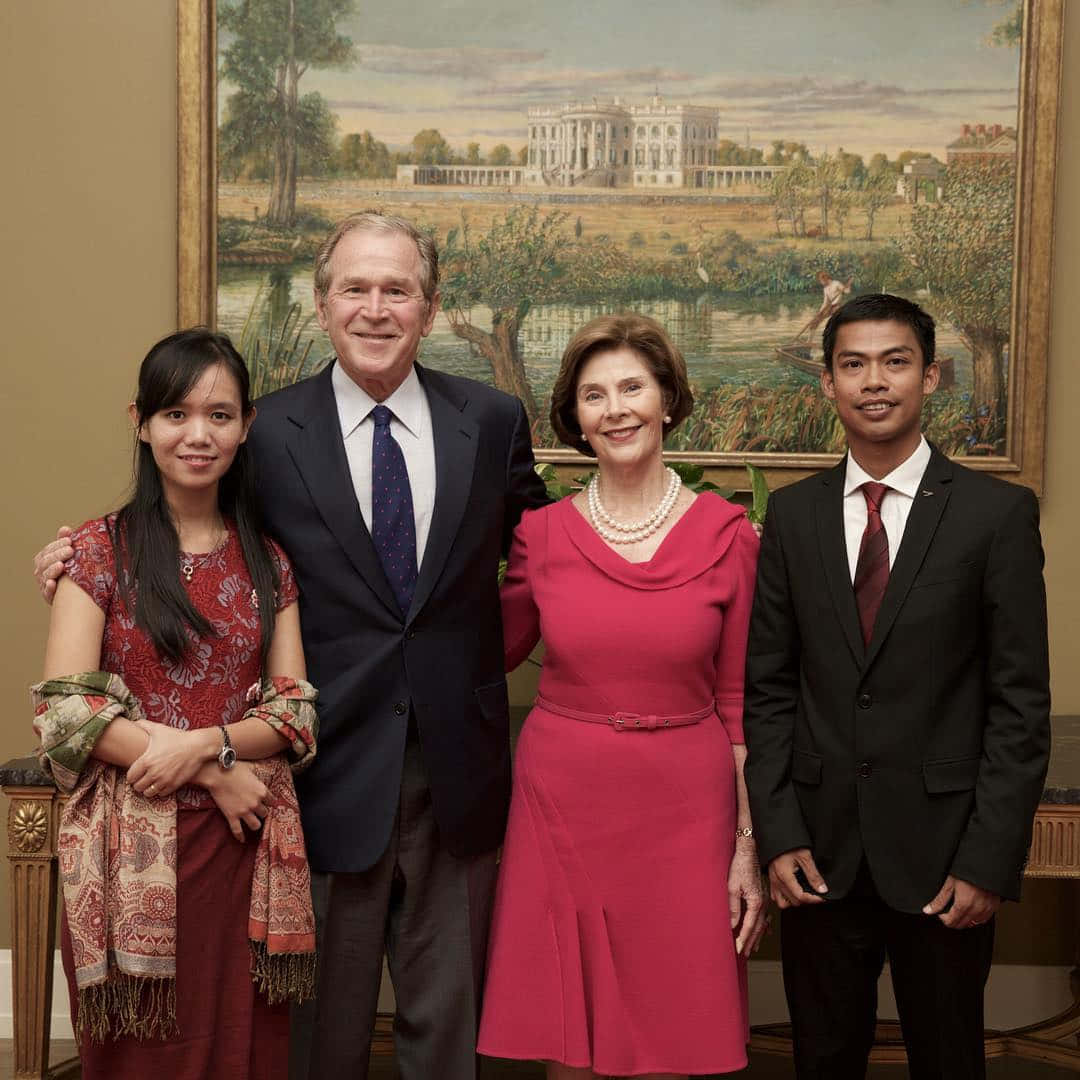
column 144, row 537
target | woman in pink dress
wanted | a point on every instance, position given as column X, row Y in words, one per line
column 629, row 893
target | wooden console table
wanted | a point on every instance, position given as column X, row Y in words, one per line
column 34, row 809
column 1055, row 853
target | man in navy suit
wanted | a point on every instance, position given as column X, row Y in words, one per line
column 897, row 713
column 395, row 489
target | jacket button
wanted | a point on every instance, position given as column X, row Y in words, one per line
column 410, row 634
column 401, row 708
column 865, row 770
column 865, row 701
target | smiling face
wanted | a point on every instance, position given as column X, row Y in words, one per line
column 620, row 408
column 374, row 308
column 194, row 441
column 878, row 382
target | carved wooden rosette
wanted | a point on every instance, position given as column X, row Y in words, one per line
column 31, row 827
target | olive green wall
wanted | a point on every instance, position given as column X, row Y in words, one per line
column 88, row 281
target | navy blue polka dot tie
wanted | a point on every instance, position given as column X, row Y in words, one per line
column 393, row 527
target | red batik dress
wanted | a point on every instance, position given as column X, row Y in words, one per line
column 226, row 1027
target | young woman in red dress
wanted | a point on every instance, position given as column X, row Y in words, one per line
column 187, row 921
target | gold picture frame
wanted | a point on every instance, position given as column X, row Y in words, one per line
column 1037, row 139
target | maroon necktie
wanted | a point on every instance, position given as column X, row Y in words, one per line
column 872, row 569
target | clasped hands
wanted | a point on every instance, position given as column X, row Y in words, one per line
column 970, row 905
column 173, row 758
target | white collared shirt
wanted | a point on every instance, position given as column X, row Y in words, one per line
column 903, row 483
column 411, row 427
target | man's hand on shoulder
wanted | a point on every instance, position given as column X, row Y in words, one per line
column 49, row 562
column 971, row 906
column 785, row 886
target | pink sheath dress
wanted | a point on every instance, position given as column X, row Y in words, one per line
column 611, row 944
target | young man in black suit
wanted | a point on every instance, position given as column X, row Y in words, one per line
column 897, row 713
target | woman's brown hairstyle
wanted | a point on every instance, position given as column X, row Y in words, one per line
column 649, row 340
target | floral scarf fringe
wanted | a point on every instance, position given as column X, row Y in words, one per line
column 118, row 860
column 127, row 1005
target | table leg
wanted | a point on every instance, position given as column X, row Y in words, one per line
column 32, row 814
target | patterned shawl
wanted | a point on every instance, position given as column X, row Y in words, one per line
column 118, row 859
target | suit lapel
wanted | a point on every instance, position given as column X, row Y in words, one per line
column 456, row 437
column 830, row 529
column 318, row 450
column 930, row 502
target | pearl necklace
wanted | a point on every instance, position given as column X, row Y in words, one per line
column 619, row 532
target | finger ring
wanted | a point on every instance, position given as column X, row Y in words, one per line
column 151, row 789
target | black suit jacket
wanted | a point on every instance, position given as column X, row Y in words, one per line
column 444, row 660
column 925, row 751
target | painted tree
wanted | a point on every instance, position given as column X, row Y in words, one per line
column 963, row 249
column 500, row 155
column 826, row 180
column 880, row 163
column 364, row 155
column 875, row 195
column 791, row 194
column 786, row 153
column 430, row 148
column 1009, row 30
column 851, row 167
column 507, row 270
column 273, row 43
column 842, row 200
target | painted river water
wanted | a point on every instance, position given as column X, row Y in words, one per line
column 726, row 340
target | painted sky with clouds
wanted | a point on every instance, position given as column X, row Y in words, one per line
column 867, row 75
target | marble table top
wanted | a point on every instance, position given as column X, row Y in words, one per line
column 1062, row 781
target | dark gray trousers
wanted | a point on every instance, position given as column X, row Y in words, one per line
column 429, row 912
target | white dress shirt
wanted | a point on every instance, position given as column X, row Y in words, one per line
column 411, row 427
column 903, row 483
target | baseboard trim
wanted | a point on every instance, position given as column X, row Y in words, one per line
column 1017, row 994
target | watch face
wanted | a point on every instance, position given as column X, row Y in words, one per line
column 227, row 757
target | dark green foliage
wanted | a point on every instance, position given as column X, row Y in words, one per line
column 430, row 148
column 515, row 264
column 365, row 157
column 961, row 249
column 270, row 340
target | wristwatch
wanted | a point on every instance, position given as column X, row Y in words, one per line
column 227, row 756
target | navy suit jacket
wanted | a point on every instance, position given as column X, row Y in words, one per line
column 925, row 751
column 443, row 661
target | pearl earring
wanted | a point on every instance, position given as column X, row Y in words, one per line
column 667, row 419
column 583, row 438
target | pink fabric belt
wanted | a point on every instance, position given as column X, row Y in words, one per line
column 627, row 721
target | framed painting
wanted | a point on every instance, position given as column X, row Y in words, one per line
column 734, row 170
